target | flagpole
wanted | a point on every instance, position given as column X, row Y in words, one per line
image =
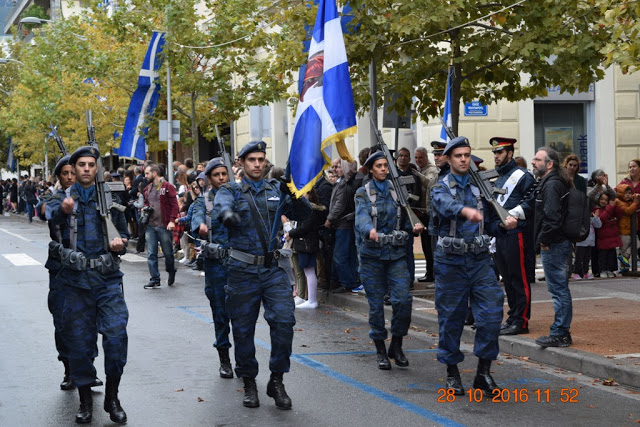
column 170, row 125
column 373, row 103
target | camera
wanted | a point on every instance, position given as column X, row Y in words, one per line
column 145, row 214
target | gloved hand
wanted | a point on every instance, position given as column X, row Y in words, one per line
column 229, row 218
column 284, row 187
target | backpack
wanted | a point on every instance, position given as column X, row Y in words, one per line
column 577, row 215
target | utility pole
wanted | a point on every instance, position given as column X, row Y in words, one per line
column 373, row 104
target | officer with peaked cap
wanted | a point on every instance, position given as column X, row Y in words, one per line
column 248, row 210
column 514, row 256
column 92, row 280
column 205, row 222
column 463, row 269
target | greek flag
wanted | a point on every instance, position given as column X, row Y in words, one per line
column 11, row 159
column 447, row 107
column 143, row 102
column 326, row 113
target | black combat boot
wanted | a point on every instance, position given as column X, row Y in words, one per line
column 66, row 383
column 275, row 389
column 395, row 352
column 483, row 379
column 85, row 413
column 453, row 380
column 225, row 363
column 111, row 402
column 250, row 393
column 383, row 360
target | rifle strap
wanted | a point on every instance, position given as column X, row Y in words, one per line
column 73, row 226
column 256, row 221
column 208, row 203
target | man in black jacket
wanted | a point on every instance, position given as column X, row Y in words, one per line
column 555, row 247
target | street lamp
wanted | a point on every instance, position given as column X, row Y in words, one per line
column 7, row 60
column 34, row 20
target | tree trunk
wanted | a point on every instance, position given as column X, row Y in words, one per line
column 194, row 131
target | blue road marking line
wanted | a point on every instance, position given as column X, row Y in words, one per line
column 307, row 361
column 394, row 400
column 345, row 353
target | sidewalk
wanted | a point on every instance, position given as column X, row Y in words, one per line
column 606, row 339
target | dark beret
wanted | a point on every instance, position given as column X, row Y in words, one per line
column 202, row 176
column 61, row 163
column 373, row 158
column 216, row 162
column 84, row 152
column 460, row 141
column 500, row 143
column 252, row 147
column 477, row 160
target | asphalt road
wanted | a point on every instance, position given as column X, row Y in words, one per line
column 171, row 376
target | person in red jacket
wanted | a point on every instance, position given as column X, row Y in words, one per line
column 607, row 237
column 161, row 204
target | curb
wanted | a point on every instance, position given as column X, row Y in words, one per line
column 564, row 358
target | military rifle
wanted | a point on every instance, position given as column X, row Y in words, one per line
column 482, row 182
column 399, row 182
column 59, row 141
column 223, row 153
column 103, row 190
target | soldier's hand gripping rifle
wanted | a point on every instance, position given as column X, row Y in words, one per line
column 59, row 141
column 399, row 182
column 103, row 190
column 483, row 184
column 223, row 153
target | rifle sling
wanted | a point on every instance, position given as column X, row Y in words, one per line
column 256, row 221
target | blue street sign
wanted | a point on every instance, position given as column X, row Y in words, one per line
column 475, row 108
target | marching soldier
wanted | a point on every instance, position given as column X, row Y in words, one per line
column 92, row 282
column 248, row 210
column 64, row 172
column 462, row 268
column 514, row 249
column 205, row 221
column 382, row 235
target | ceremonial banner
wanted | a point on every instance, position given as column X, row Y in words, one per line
column 143, row 102
column 447, row 107
column 326, row 113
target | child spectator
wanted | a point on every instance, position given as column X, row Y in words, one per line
column 583, row 250
column 627, row 204
column 607, row 236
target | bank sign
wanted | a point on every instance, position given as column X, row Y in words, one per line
column 475, row 108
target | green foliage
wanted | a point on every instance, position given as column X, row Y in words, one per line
column 622, row 18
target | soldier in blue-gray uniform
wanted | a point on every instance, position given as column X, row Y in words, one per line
column 514, row 256
column 248, row 210
column 462, row 268
column 66, row 177
column 204, row 220
column 90, row 274
column 382, row 232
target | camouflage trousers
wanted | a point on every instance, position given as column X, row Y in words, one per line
column 101, row 309
column 215, row 279
column 455, row 284
column 379, row 277
column 246, row 290
column 55, row 302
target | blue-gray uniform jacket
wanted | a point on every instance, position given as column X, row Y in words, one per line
column 518, row 193
column 219, row 233
column 385, row 223
column 446, row 208
column 266, row 194
column 90, row 239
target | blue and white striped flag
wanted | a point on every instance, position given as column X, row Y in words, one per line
column 326, row 113
column 11, row 159
column 447, row 107
column 143, row 102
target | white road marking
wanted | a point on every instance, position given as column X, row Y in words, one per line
column 624, row 356
column 14, row 235
column 20, row 260
column 133, row 258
